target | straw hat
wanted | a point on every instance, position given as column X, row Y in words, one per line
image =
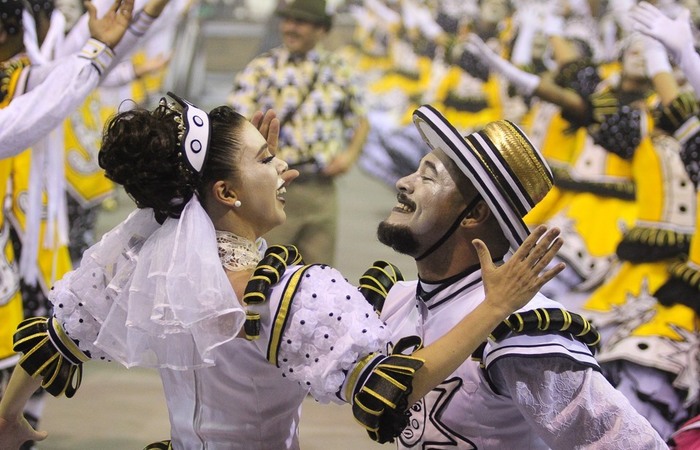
column 499, row 160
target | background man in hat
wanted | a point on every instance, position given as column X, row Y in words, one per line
column 323, row 125
column 536, row 384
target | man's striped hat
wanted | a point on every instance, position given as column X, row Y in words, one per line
column 499, row 160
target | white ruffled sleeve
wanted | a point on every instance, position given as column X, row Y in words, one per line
column 572, row 406
column 151, row 296
column 317, row 330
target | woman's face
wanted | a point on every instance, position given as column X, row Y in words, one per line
column 633, row 61
column 262, row 183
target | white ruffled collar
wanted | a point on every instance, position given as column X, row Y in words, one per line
column 237, row 253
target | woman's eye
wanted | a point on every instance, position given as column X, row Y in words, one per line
column 268, row 159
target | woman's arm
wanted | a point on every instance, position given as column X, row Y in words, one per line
column 14, row 428
column 62, row 86
column 649, row 20
column 508, row 288
column 530, row 84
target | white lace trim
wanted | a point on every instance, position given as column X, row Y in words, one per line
column 574, row 409
column 236, row 253
column 146, row 296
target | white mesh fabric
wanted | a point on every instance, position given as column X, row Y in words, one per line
column 157, row 295
column 573, row 408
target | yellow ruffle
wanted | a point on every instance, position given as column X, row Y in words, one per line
column 627, row 283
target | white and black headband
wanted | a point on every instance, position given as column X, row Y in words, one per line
column 194, row 135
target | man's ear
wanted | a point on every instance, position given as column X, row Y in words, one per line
column 223, row 193
column 479, row 214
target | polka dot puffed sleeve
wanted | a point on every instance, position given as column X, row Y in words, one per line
column 316, row 326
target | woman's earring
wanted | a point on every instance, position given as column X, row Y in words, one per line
column 237, row 204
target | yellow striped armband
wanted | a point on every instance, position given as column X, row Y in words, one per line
column 685, row 272
column 549, row 320
column 268, row 272
column 671, row 117
column 602, row 104
column 49, row 353
column 380, row 403
column 648, row 244
column 376, row 282
column 682, row 287
column 282, row 314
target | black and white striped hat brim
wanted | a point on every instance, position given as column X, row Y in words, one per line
column 501, row 163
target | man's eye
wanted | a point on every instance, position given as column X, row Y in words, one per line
column 268, row 159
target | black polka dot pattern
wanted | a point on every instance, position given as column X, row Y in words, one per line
column 329, row 327
column 11, row 16
column 690, row 155
column 619, row 133
column 580, row 75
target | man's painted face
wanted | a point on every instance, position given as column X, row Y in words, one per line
column 428, row 204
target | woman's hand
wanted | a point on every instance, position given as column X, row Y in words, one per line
column 15, row 433
column 269, row 126
column 510, row 286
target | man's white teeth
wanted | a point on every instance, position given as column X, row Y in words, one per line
column 404, row 208
column 282, row 191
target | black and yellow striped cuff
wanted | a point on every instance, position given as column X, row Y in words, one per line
column 376, row 282
column 380, row 403
column 671, row 117
column 548, row 320
column 48, row 352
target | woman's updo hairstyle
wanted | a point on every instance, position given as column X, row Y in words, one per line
column 224, row 146
column 141, row 151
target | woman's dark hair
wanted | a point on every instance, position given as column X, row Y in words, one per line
column 140, row 150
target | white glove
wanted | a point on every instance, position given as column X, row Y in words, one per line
column 522, row 48
column 655, row 57
column 524, row 82
column 675, row 34
column 553, row 25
